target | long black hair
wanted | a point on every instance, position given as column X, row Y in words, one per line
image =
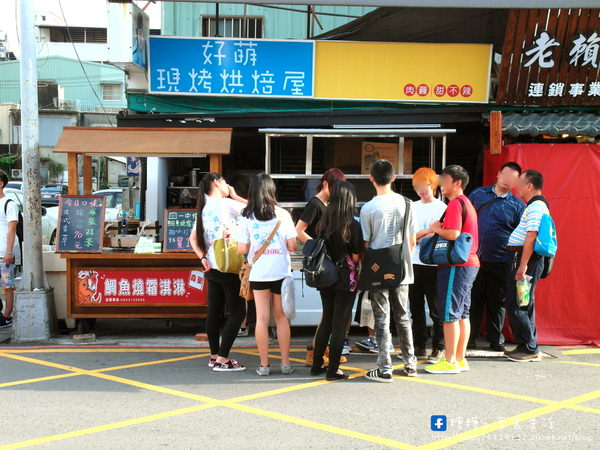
column 204, row 188
column 261, row 198
column 340, row 212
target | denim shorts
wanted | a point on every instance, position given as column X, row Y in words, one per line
column 7, row 275
column 454, row 285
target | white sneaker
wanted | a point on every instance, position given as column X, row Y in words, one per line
column 263, row 371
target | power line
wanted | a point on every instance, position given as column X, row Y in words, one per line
column 81, row 64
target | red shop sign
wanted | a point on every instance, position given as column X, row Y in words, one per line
column 99, row 286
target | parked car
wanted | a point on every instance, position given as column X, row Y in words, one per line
column 114, row 203
column 51, row 193
column 14, row 185
column 48, row 221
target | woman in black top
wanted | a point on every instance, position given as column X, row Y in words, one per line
column 315, row 208
column 344, row 243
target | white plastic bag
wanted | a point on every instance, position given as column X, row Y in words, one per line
column 367, row 319
column 288, row 297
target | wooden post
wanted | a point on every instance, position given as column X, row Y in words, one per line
column 87, row 175
column 73, row 174
column 496, row 132
column 216, row 164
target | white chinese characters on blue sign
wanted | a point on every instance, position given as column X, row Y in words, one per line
column 238, row 67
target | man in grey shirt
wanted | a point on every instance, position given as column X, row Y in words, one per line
column 382, row 222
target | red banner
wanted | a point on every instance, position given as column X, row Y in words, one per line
column 566, row 303
column 100, row 286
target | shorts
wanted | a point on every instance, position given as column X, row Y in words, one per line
column 454, row 284
column 274, row 286
column 7, row 272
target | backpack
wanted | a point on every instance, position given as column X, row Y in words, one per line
column 546, row 243
column 317, row 266
column 19, row 224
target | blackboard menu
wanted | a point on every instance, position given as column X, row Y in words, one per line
column 80, row 223
column 178, row 226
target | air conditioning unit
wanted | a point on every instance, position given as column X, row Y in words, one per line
column 16, row 173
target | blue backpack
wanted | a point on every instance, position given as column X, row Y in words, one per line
column 546, row 242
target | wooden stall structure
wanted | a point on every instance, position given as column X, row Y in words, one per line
column 120, row 284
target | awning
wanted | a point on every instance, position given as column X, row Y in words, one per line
column 551, row 124
column 169, row 142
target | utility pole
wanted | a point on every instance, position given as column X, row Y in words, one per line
column 34, row 305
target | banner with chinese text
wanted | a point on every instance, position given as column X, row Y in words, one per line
column 238, row 67
column 390, row 71
column 98, row 286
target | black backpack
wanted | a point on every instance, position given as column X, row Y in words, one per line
column 319, row 269
column 19, row 224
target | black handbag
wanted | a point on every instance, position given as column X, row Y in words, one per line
column 383, row 268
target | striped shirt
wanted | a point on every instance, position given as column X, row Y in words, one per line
column 530, row 221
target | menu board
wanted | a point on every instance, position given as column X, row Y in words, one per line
column 178, row 226
column 80, row 224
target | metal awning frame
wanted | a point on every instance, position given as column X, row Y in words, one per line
column 400, row 132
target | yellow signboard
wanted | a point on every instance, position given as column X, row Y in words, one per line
column 403, row 71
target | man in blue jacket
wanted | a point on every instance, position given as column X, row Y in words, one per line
column 498, row 214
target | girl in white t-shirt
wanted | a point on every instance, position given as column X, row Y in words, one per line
column 218, row 211
column 266, row 277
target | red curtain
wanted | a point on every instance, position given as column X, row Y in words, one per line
column 568, row 301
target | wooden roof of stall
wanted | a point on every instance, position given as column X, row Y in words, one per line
column 169, row 142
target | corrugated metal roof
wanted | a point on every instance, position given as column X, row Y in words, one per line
column 551, row 123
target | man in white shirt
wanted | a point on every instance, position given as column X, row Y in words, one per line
column 9, row 249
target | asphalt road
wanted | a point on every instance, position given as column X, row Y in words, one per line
column 110, row 395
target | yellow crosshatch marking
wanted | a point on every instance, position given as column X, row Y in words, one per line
column 549, row 406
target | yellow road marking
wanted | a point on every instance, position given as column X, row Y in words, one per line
column 583, row 351
column 110, row 426
column 107, row 350
column 319, row 426
column 107, row 369
column 550, row 406
column 479, row 390
column 209, row 403
column 578, row 363
column 494, row 426
column 35, row 380
column 255, row 353
column 121, row 380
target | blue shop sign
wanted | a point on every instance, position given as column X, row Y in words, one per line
column 234, row 67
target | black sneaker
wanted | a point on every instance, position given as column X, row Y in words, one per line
column 420, row 352
column 410, row 371
column 5, row 322
column 495, row 347
column 229, row 366
column 378, row 375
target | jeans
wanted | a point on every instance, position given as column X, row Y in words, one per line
column 425, row 287
column 381, row 301
column 522, row 321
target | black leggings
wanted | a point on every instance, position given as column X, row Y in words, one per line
column 425, row 286
column 219, row 295
column 337, row 309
